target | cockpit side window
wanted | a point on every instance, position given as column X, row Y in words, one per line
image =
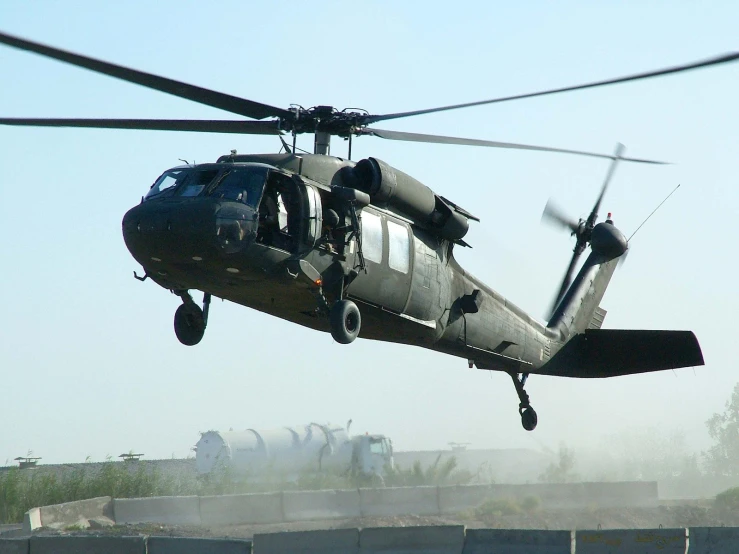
column 242, row 185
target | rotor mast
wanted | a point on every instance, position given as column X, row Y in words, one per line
column 322, row 143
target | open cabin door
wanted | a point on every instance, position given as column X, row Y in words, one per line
column 312, row 216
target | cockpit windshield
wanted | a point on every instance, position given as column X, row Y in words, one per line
column 242, row 184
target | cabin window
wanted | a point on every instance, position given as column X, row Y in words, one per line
column 398, row 247
column 372, row 237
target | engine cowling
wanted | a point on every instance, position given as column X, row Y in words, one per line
column 390, row 187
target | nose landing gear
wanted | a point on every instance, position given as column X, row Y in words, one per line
column 190, row 320
column 529, row 418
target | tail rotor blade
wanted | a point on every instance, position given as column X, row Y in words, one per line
column 552, row 214
column 617, row 156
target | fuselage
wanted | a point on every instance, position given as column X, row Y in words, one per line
column 209, row 228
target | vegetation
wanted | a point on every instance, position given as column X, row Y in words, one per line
column 728, row 500
column 723, row 457
column 21, row 490
column 561, row 471
column 438, row 473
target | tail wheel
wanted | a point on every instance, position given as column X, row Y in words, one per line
column 529, row 419
column 189, row 324
column 345, row 321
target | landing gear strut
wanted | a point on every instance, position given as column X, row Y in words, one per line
column 528, row 415
column 190, row 320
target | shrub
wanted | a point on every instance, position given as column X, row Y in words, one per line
column 728, row 500
column 496, row 508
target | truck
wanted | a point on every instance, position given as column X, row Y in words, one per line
column 287, row 452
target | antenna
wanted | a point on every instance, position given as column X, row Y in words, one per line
column 653, row 212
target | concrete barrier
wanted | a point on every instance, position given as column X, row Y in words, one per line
column 463, row 497
column 188, row 545
column 14, row 546
column 241, row 508
column 95, row 544
column 518, row 541
column 336, row 541
column 399, row 501
column 59, row 516
column 171, row 510
column 438, row 539
column 31, row 520
column 628, row 541
column 332, row 504
column 713, row 540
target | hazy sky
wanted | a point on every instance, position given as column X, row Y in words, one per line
column 89, row 364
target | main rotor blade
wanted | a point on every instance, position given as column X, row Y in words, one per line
column 201, row 95
column 438, row 139
column 203, row 126
column 726, row 58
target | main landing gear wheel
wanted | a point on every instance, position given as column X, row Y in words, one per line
column 189, row 320
column 189, row 324
column 529, row 418
column 345, row 321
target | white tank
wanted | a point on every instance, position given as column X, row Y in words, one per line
column 285, row 450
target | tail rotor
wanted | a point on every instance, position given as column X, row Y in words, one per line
column 581, row 230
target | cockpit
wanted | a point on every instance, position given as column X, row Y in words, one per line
column 250, row 202
column 242, row 184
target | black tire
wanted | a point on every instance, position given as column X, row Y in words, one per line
column 529, row 419
column 345, row 321
column 189, row 324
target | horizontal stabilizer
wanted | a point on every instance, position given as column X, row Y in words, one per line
column 600, row 353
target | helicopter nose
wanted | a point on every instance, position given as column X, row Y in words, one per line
column 186, row 231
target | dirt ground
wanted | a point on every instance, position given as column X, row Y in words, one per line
column 623, row 518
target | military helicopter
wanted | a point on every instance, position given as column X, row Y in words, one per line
column 361, row 249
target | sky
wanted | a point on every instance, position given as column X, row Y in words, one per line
column 89, row 364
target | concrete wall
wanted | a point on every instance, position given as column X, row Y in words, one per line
column 307, row 505
column 241, row 508
column 61, row 544
column 336, row 541
column 59, row 516
column 517, row 541
column 438, row 539
column 170, row 510
column 335, row 504
column 399, row 501
column 79, row 512
column 14, row 546
column 631, row 541
column 713, row 540
column 189, row 545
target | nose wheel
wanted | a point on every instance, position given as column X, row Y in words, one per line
column 529, row 418
column 190, row 320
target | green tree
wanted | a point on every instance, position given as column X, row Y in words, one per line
column 723, row 457
column 562, row 470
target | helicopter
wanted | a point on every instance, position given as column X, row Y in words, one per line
column 362, row 249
